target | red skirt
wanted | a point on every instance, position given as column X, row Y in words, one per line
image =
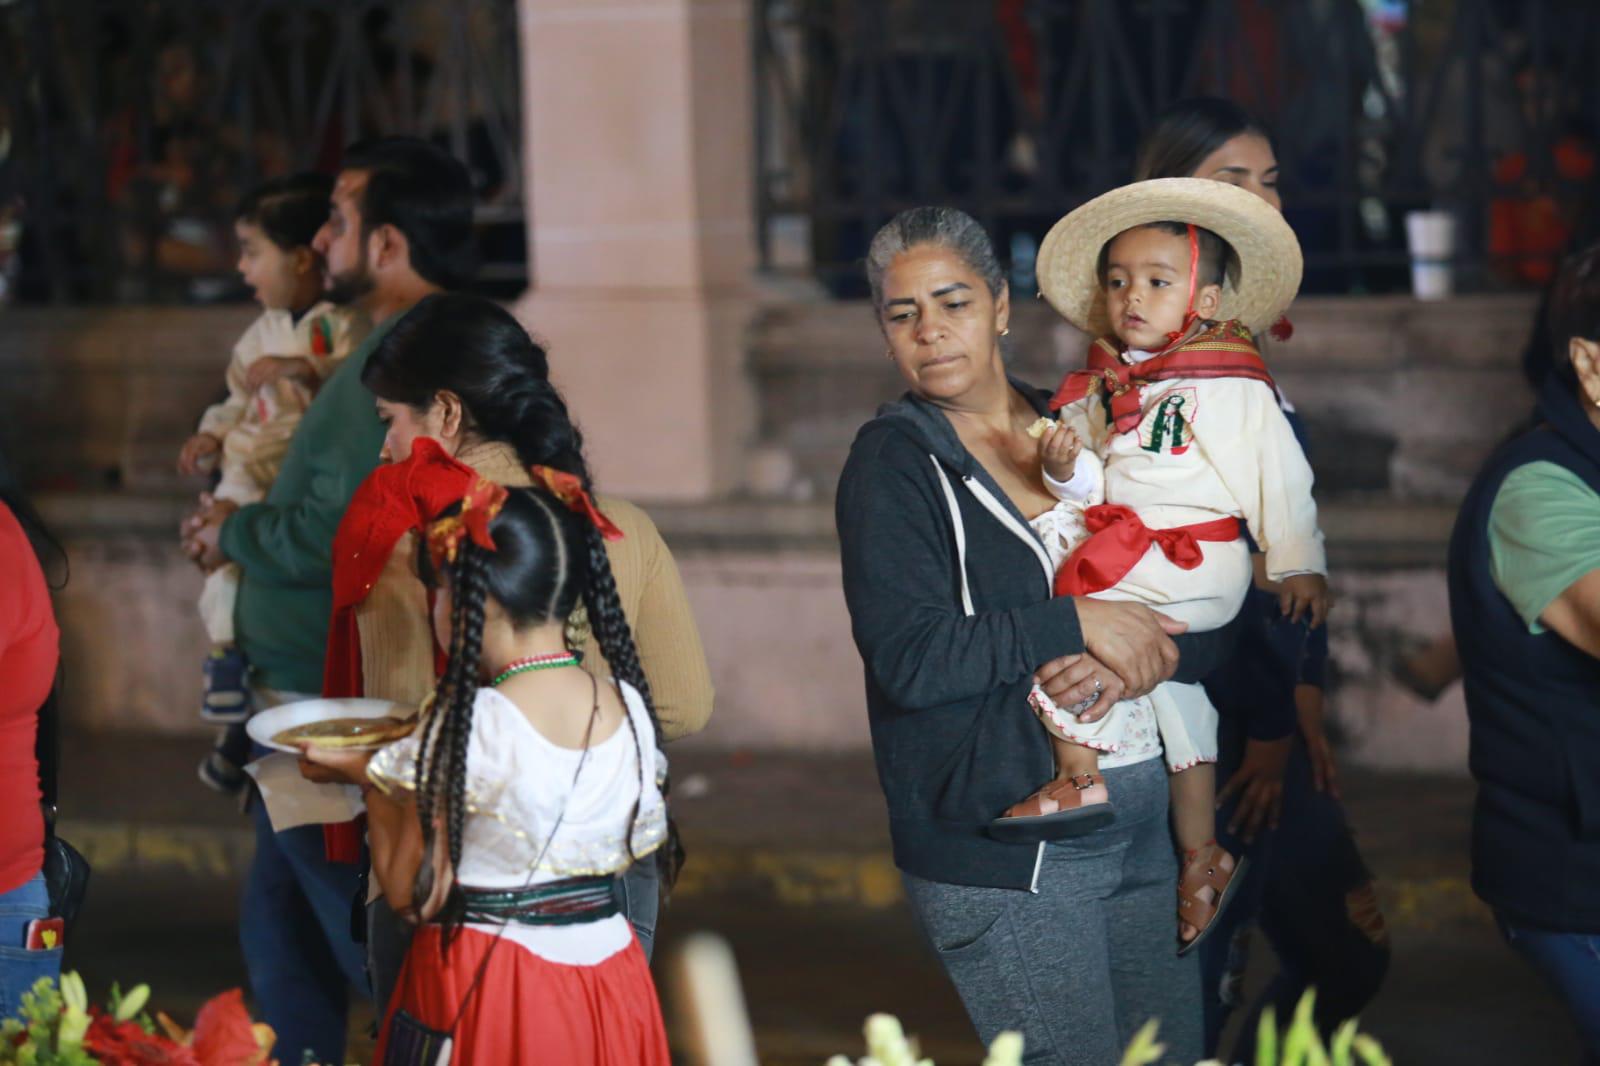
column 528, row 1009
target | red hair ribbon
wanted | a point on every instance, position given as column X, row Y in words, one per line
column 478, row 507
column 568, row 488
column 1194, row 279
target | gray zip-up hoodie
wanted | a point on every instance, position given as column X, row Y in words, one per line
column 950, row 601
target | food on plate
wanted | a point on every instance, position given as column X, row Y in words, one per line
column 346, row 732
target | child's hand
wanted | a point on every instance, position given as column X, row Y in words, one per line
column 1300, row 594
column 1058, row 451
column 271, row 368
column 333, row 765
column 195, row 450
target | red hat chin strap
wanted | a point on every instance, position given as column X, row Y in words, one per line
column 1189, row 315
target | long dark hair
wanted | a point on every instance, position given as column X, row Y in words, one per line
column 1186, row 132
column 473, row 347
column 543, row 565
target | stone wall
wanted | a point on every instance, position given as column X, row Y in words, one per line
column 1403, row 400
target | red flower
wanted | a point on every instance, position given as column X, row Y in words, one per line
column 222, row 1032
column 116, row 1043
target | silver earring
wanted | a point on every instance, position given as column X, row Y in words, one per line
column 1006, row 332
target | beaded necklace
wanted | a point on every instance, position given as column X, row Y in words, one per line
column 535, row 662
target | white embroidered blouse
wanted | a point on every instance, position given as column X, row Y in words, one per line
column 518, row 785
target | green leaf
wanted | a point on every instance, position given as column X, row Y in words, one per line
column 1370, row 1050
column 1343, row 1038
column 1006, row 1050
column 1267, row 1039
column 126, row 1008
column 1144, row 1050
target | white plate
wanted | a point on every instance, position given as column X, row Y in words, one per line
column 269, row 723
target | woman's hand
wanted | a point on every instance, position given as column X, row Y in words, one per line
column 270, row 368
column 1324, row 769
column 1259, row 783
column 1304, row 594
column 1133, row 641
column 1074, row 679
column 195, row 451
column 336, row 766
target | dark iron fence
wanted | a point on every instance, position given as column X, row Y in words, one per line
column 1018, row 110
column 130, row 128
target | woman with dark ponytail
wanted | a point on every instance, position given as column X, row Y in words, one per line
column 1308, row 887
column 460, row 375
column 528, row 785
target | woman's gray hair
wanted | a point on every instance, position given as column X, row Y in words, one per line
column 943, row 227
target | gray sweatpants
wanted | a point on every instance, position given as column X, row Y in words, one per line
column 1078, row 966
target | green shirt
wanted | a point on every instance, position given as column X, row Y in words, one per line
column 284, row 545
column 1542, row 537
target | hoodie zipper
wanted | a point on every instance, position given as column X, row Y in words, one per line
column 1008, row 519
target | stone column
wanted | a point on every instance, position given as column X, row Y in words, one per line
column 637, row 148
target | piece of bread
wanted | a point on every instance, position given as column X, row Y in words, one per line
column 1041, row 427
column 347, row 732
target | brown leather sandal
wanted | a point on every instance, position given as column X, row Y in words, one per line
column 1055, row 812
column 1203, row 868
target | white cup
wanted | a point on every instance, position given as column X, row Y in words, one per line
column 1431, row 238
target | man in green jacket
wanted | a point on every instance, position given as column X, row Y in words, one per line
column 399, row 227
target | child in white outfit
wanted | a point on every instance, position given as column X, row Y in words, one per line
column 1178, row 430
column 272, row 376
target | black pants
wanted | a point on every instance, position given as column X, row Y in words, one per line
column 1310, row 892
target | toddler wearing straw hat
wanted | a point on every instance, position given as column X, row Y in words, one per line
column 1175, row 423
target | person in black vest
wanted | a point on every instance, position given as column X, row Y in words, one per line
column 1525, row 607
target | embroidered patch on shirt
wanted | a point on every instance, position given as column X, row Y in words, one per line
column 1166, row 427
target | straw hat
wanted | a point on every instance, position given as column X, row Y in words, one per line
column 1263, row 273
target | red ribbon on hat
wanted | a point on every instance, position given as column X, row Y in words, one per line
column 568, row 488
column 1189, row 315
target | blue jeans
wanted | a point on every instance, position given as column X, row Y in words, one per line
column 1570, row 962
column 638, row 893
column 295, row 928
column 19, row 967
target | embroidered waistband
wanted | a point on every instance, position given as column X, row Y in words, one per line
column 566, row 902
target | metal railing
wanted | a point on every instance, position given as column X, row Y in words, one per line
column 130, row 128
column 1018, row 110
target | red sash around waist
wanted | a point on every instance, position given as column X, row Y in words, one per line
column 1118, row 540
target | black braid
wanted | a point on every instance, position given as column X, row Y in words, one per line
column 615, row 637
column 442, row 756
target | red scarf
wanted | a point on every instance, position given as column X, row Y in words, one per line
column 395, row 499
column 1225, row 350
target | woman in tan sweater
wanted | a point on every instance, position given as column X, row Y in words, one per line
column 461, row 370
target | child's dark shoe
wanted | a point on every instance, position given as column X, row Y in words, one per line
column 226, row 699
column 220, row 775
column 1066, row 807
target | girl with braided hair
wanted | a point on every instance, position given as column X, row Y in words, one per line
column 529, row 784
column 459, row 380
